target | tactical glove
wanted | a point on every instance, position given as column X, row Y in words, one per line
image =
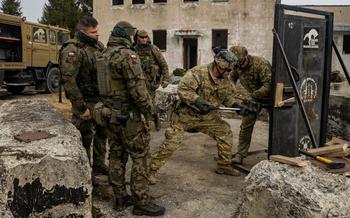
column 243, row 109
column 204, row 106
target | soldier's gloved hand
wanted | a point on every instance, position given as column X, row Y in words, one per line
column 164, row 84
column 204, row 106
column 243, row 110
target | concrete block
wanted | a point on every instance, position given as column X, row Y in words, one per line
column 47, row 177
column 279, row 190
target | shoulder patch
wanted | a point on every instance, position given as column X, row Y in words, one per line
column 133, row 57
column 71, row 54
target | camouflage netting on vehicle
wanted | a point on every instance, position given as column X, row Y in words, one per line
column 279, row 190
column 45, row 177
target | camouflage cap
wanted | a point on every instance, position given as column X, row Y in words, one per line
column 225, row 59
column 240, row 51
column 142, row 33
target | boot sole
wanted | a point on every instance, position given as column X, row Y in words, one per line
column 138, row 212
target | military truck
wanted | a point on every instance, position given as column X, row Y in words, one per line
column 29, row 54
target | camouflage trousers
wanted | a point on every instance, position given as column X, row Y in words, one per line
column 213, row 126
column 245, row 133
column 131, row 138
column 91, row 132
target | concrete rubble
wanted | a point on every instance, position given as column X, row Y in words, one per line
column 279, row 190
column 42, row 178
column 339, row 111
column 166, row 100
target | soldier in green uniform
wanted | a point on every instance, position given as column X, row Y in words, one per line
column 201, row 91
column 80, row 84
column 254, row 73
column 128, row 111
column 153, row 63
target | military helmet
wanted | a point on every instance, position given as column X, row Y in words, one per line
column 142, row 33
column 225, row 59
column 240, row 52
column 129, row 29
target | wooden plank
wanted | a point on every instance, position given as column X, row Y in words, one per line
column 289, row 160
column 336, row 141
column 328, row 149
column 344, row 153
column 279, row 93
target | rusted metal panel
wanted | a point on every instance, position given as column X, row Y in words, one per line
column 29, row 136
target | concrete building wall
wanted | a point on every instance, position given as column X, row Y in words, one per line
column 248, row 22
column 341, row 28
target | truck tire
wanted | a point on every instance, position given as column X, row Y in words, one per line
column 52, row 80
column 15, row 89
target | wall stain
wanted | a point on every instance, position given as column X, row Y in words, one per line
column 32, row 197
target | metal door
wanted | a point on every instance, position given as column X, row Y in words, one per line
column 306, row 37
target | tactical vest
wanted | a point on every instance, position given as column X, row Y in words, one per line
column 149, row 65
column 86, row 79
column 105, row 82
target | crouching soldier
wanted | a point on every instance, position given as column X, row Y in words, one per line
column 201, row 91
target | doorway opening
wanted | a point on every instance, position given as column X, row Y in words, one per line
column 190, row 52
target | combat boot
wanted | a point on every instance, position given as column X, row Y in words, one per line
column 152, row 177
column 123, row 202
column 237, row 159
column 149, row 209
column 227, row 169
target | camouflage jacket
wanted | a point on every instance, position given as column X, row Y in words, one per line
column 153, row 64
column 255, row 78
column 77, row 64
column 200, row 82
column 128, row 80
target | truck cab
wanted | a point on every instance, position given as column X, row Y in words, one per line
column 29, row 54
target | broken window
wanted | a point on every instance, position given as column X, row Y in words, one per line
column 159, row 39
column 219, row 38
column 117, row 2
column 159, row 1
column 346, row 44
column 138, row 1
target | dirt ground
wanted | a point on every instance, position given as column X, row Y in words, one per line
column 188, row 186
column 29, row 93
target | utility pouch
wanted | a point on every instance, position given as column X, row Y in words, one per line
column 101, row 114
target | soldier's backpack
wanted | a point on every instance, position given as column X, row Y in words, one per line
column 104, row 70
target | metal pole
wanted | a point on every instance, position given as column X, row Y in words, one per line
column 341, row 61
column 292, row 79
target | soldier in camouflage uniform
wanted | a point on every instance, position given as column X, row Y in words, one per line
column 201, row 91
column 254, row 73
column 130, row 113
column 153, row 63
column 79, row 81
